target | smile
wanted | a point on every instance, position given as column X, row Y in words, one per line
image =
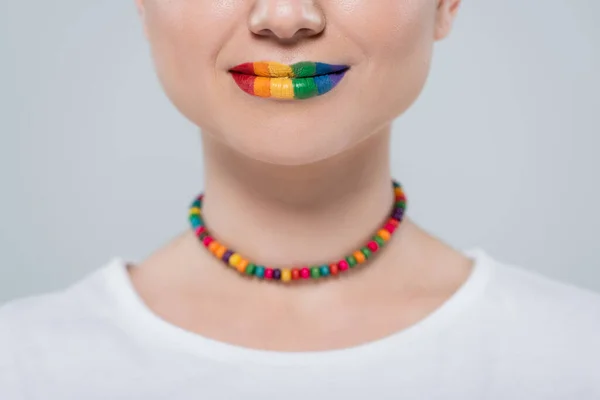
column 298, row 81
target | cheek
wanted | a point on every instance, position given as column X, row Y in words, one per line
column 397, row 39
column 185, row 38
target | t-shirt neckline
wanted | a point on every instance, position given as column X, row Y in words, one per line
column 135, row 316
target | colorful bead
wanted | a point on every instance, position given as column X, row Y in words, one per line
column 260, row 272
column 240, row 265
column 351, row 261
column 227, row 255
column 366, row 252
column 295, row 274
column 234, row 259
column 250, row 269
column 243, row 266
column 385, row 235
column 360, row 257
column 373, row 246
column 286, row 275
column 333, row 268
column 269, row 273
column 314, row 272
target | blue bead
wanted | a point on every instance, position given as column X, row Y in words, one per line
column 259, row 271
column 325, row 270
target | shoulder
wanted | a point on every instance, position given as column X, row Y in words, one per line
column 52, row 322
column 523, row 290
column 539, row 317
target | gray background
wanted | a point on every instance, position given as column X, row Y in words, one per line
column 499, row 152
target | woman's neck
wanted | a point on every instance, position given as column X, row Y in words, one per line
column 297, row 215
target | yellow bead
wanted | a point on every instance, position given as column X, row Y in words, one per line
column 286, row 275
column 385, row 235
column 234, row 259
column 195, row 211
column 360, row 257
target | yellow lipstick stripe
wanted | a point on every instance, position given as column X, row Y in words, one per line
column 278, row 70
column 282, row 88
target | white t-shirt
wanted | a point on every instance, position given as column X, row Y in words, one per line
column 507, row 333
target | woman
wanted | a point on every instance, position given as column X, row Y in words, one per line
column 331, row 291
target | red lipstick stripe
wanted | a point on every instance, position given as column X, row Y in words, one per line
column 246, row 68
column 245, row 82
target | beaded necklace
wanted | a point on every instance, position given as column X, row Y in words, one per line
column 246, row 267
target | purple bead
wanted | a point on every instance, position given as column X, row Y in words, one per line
column 226, row 256
column 398, row 214
column 277, row 274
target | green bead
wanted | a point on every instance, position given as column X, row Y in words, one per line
column 351, row 261
column 314, row 272
column 250, row 268
column 366, row 252
column 197, row 204
column 379, row 240
column 400, row 204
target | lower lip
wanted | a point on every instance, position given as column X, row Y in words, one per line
column 288, row 88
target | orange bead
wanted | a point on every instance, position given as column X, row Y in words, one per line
column 241, row 265
column 220, row 251
column 360, row 257
column 385, row 235
column 212, row 247
column 398, row 192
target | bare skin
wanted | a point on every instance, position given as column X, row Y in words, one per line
column 411, row 277
column 297, row 183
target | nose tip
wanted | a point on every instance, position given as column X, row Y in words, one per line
column 286, row 20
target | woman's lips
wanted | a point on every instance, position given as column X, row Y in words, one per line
column 301, row 80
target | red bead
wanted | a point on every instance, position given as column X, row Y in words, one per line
column 390, row 227
column 393, row 222
column 373, row 246
column 199, row 230
column 269, row 273
column 207, row 240
column 343, row 265
column 305, row 273
column 333, row 268
column 295, row 274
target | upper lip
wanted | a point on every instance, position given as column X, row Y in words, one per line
column 302, row 69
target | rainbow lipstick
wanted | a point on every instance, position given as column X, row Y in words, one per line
column 302, row 80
